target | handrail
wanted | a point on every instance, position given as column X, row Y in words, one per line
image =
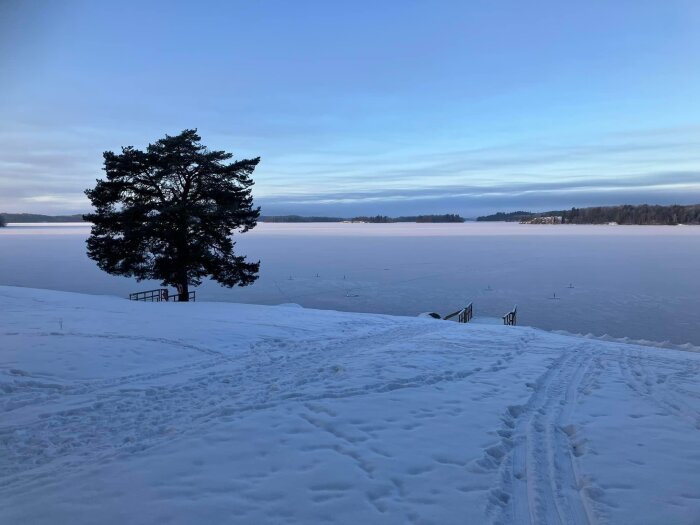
column 465, row 314
column 176, row 297
column 157, row 295
column 160, row 295
column 511, row 318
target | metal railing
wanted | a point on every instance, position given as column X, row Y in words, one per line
column 154, row 296
column 464, row 315
column 176, row 297
column 160, row 295
column 511, row 318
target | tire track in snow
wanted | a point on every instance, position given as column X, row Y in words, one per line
column 539, row 478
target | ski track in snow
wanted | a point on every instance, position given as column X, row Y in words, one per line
column 538, row 478
column 539, row 392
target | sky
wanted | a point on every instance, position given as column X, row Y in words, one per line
column 362, row 107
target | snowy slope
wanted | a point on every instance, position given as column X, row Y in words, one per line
column 121, row 412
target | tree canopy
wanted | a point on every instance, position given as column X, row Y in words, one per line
column 169, row 213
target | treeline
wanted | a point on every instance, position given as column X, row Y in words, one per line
column 298, row 218
column 513, row 216
column 644, row 215
column 448, row 217
column 373, row 219
column 35, row 217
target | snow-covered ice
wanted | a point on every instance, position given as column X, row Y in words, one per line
column 627, row 281
column 123, row 412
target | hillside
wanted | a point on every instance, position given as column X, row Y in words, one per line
column 122, row 412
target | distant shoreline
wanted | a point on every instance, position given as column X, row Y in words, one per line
column 30, row 218
column 375, row 219
column 625, row 215
column 638, row 215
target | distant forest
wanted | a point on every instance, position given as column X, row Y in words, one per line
column 448, row 217
column 644, row 214
column 298, row 218
column 513, row 216
column 34, row 217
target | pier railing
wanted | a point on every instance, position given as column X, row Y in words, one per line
column 159, row 295
column 154, row 296
column 511, row 318
column 176, row 297
column 464, row 315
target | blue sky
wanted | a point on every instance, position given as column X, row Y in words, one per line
column 362, row 107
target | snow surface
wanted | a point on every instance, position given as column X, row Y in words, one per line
column 122, row 412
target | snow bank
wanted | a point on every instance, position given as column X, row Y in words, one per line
column 688, row 347
column 122, row 412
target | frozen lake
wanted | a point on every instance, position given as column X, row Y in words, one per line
column 623, row 281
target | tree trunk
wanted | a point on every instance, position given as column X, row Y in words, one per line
column 181, row 261
column 183, row 291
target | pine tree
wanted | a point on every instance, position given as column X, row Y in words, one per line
column 169, row 213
